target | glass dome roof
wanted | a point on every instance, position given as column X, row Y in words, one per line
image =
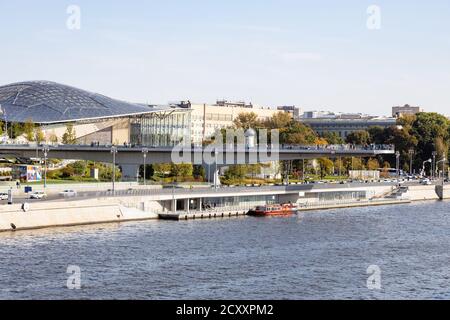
column 50, row 102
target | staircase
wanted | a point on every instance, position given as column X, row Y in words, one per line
column 398, row 193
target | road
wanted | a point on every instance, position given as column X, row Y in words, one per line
column 198, row 191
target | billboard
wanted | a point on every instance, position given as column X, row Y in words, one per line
column 27, row 173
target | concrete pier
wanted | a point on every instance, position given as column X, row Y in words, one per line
column 193, row 215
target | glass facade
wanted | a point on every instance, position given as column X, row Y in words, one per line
column 48, row 102
column 162, row 129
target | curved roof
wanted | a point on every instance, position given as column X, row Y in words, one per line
column 50, row 102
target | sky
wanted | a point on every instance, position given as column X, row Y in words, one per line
column 318, row 55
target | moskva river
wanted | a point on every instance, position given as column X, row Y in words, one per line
column 398, row 252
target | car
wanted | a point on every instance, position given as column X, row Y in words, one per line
column 425, row 182
column 3, row 196
column 68, row 193
column 38, row 195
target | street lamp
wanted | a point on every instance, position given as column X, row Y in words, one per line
column 114, row 152
column 443, row 167
column 45, row 149
column 144, row 153
column 433, row 165
column 397, row 163
column 411, row 153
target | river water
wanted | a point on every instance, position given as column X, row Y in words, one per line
column 314, row 255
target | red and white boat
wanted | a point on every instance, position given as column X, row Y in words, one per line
column 274, row 210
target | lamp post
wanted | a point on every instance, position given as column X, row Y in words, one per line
column 397, row 163
column 144, row 153
column 114, row 152
column 443, row 167
column 433, row 165
column 45, row 149
column 411, row 154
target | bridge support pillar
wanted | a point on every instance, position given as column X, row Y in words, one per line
column 130, row 172
column 174, row 205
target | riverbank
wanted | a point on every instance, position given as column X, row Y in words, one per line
column 63, row 213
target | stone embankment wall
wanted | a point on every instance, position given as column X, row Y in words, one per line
column 69, row 213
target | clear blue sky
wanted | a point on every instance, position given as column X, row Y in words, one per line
column 315, row 54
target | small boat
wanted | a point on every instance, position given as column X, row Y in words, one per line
column 273, row 210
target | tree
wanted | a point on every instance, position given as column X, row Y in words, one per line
column 162, row 168
column 199, row 172
column 69, row 137
column 235, row 172
column 39, row 134
column 298, row 133
column 360, row 137
column 325, row 166
column 79, row 168
column 246, row 120
column 332, row 138
column 373, row 164
column 377, row 135
column 279, row 120
column 182, row 170
column 432, row 132
column 53, row 138
column 29, row 130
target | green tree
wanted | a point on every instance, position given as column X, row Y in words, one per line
column 360, row 137
column 298, row 133
column 246, row 120
column 29, row 130
column 162, row 168
column 79, row 168
column 432, row 133
column 69, row 137
column 279, row 120
column 182, row 170
column 325, row 166
column 332, row 138
column 235, row 172
column 199, row 172
column 39, row 134
column 373, row 164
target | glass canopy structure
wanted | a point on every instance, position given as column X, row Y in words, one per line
column 47, row 102
column 95, row 117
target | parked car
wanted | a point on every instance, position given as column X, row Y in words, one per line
column 425, row 182
column 68, row 193
column 38, row 195
column 3, row 196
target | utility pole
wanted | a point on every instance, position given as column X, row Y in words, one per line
column 45, row 149
column 114, row 152
column 397, row 163
column 411, row 154
column 144, row 153
column 433, row 165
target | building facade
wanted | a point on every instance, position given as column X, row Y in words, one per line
column 343, row 126
column 207, row 119
column 399, row 111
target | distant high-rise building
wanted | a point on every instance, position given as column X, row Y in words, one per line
column 399, row 111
